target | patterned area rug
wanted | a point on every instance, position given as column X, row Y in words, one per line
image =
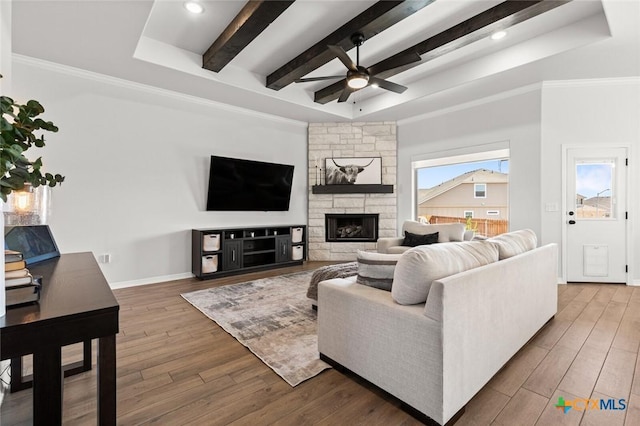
column 273, row 318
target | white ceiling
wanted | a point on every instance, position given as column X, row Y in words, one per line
column 160, row 44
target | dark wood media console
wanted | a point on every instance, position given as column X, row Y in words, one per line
column 228, row 251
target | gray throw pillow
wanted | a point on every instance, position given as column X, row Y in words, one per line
column 376, row 269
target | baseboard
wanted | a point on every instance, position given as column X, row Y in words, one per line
column 634, row 282
column 152, row 280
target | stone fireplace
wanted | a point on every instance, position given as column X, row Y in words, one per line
column 343, row 140
column 353, row 227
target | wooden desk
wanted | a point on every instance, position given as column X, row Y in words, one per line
column 76, row 305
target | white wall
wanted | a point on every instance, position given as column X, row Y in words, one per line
column 513, row 120
column 136, row 162
column 536, row 124
column 592, row 112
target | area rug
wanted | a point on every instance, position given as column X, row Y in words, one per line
column 273, row 318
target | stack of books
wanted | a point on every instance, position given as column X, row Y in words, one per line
column 20, row 286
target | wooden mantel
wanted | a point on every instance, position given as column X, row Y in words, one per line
column 352, row 189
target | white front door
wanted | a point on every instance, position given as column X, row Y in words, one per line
column 596, row 225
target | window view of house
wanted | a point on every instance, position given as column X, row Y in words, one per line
column 474, row 193
column 594, row 187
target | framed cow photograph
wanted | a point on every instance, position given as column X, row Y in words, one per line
column 353, row 171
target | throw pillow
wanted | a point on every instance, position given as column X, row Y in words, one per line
column 376, row 269
column 420, row 266
column 414, row 240
column 447, row 231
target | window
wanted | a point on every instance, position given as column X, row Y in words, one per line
column 451, row 187
column 595, row 189
column 480, row 190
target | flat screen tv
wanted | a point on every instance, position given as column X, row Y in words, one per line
column 246, row 185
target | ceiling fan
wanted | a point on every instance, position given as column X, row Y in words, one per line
column 359, row 77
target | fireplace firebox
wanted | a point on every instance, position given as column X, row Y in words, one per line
column 351, row 227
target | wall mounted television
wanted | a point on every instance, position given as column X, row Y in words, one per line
column 245, row 185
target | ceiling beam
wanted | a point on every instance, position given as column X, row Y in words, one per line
column 499, row 17
column 372, row 21
column 254, row 18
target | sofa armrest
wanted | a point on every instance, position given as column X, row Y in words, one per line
column 385, row 243
column 395, row 347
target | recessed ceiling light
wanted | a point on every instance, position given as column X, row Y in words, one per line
column 193, row 7
column 498, row 35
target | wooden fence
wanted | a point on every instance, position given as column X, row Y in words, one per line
column 486, row 227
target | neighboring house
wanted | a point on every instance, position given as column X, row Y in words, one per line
column 480, row 194
column 594, row 207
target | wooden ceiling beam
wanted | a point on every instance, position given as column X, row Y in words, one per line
column 372, row 21
column 499, row 17
column 254, row 18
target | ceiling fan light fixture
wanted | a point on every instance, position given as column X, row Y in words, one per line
column 357, row 81
column 193, row 7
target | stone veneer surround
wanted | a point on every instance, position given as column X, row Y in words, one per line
column 335, row 140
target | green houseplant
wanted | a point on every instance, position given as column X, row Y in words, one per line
column 18, row 126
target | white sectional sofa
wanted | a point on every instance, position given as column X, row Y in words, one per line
column 447, row 232
column 436, row 355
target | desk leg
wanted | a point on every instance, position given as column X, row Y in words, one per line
column 107, row 380
column 17, row 381
column 47, row 386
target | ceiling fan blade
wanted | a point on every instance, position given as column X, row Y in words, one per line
column 328, row 77
column 385, row 84
column 344, row 58
column 346, row 92
column 395, row 62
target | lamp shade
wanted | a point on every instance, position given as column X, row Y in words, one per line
column 29, row 206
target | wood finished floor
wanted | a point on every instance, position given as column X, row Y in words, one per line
column 176, row 367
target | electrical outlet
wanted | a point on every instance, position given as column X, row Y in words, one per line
column 105, row 258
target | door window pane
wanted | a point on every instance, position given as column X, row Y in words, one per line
column 594, row 190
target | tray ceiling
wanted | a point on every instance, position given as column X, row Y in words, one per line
column 161, row 44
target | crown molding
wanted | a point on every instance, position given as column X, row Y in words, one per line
column 592, row 82
column 127, row 84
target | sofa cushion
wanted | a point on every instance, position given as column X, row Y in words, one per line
column 420, row 266
column 514, row 243
column 414, row 240
column 376, row 269
column 446, row 231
